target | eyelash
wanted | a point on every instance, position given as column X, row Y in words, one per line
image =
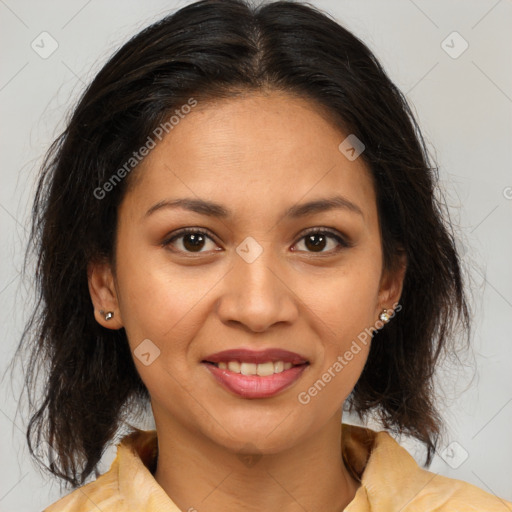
column 344, row 243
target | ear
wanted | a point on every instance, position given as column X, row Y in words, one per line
column 104, row 294
column 391, row 285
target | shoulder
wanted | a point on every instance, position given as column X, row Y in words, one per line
column 419, row 489
column 392, row 480
column 430, row 491
column 126, row 486
column 94, row 496
column 455, row 495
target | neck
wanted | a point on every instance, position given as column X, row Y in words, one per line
column 198, row 474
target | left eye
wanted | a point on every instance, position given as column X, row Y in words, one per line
column 317, row 241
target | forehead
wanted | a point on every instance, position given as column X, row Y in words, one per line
column 253, row 151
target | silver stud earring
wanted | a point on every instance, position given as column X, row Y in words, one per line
column 108, row 315
column 385, row 316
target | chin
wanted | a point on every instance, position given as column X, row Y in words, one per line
column 267, row 433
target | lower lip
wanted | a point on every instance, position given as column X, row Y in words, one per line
column 253, row 386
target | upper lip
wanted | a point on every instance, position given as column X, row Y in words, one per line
column 256, row 356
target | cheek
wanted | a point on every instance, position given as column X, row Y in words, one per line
column 160, row 312
column 333, row 378
column 344, row 310
column 157, row 300
column 344, row 302
column 163, row 308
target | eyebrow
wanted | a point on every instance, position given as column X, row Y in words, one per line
column 212, row 209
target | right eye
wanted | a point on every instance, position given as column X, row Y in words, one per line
column 189, row 240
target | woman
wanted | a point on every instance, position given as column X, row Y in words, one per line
column 238, row 226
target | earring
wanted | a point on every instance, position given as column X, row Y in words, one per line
column 108, row 315
column 385, row 316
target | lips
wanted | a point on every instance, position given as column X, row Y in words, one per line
column 256, row 374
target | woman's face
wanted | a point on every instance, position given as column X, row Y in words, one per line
column 265, row 272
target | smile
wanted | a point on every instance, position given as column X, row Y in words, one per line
column 250, row 380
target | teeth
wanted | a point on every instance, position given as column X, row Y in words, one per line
column 262, row 369
column 265, row 369
column 248, row 368
column 234, row 366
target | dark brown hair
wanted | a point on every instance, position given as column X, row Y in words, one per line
column 208, row 50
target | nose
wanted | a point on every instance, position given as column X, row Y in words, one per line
column 256, row 295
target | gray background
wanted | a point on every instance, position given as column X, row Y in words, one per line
column 464, row 106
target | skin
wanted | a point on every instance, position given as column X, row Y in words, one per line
column 257, row 155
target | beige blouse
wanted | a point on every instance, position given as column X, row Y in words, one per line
column 391, row 481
